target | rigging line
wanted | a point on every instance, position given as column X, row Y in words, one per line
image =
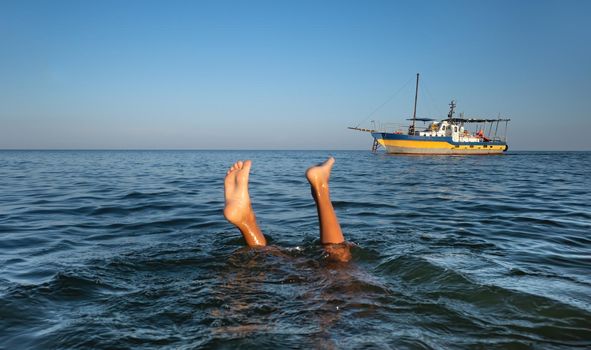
column 432, row 100
column 385, row 103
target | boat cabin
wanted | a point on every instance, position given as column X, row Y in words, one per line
column 457, row 132
column 442, row 128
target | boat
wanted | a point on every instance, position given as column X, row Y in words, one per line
column 451, row 135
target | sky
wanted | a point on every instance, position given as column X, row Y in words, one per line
column 287, row 74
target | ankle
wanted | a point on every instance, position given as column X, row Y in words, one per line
column 320, row 189
column 248, row 220
column 252, row 233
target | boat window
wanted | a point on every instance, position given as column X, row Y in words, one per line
column 443, row 127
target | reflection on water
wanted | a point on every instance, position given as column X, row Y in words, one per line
column 130, row 249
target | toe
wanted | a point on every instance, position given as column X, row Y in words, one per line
column 247, row 164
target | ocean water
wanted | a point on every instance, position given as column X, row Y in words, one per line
column 129, row 249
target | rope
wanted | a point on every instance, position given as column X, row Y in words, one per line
column 431, row 99
column 385, row 103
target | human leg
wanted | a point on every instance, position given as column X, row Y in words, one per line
column 331, row 235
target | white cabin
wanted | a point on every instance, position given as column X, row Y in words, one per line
column 446, row 129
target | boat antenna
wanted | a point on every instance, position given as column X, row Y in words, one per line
column 414, row 113
column 452, row 107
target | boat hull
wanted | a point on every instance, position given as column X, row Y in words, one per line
column 406, row 144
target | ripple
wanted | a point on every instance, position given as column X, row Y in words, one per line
column 114, row 249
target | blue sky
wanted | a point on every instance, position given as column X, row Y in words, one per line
column 286, row 74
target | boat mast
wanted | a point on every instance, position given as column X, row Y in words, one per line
column 452, row 107
column 414, row 113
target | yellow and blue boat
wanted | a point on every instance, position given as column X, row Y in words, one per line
column 448, row 136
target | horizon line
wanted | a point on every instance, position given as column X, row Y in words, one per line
column 246, row 149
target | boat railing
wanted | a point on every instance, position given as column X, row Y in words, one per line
column 392, row 127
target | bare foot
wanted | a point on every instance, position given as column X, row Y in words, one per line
column 238, row 209
column 238, row 206
column 318, row 175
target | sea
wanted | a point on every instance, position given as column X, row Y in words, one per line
column 130, row 250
